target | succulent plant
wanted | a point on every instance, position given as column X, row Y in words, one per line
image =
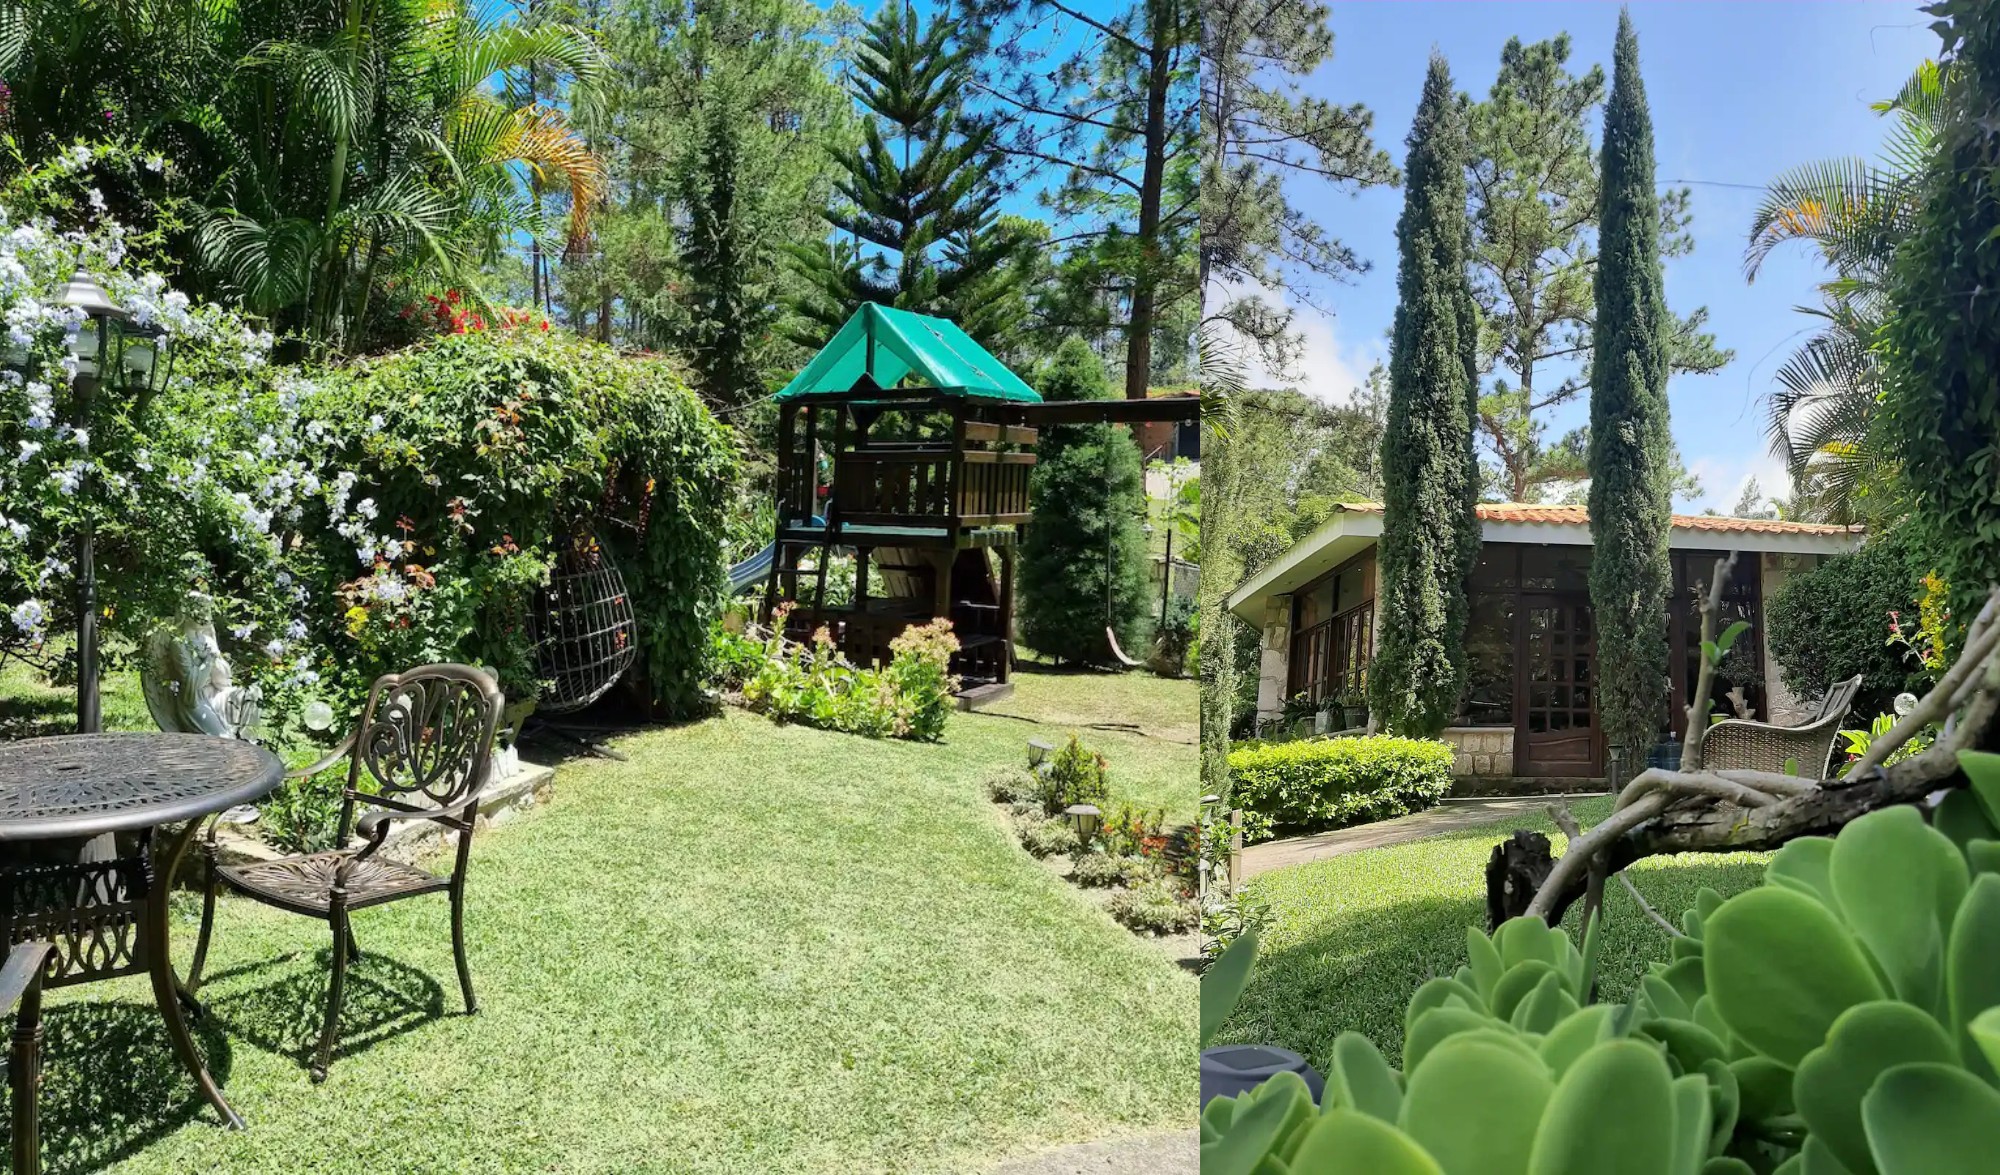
column 1843, row 1018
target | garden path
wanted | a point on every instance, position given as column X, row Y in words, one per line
column 1173, row 1153
column 1447, row 817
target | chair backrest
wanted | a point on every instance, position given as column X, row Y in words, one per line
column 1839, row 697
column 426, row 734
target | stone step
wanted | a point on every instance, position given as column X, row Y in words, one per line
column 408, row 840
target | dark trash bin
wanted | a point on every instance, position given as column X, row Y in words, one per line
column 1232, row 1069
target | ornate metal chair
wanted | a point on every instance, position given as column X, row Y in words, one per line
column 21, row 988
column 1760, row 746
column 425, row 735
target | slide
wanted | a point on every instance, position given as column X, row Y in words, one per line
column 752, row 571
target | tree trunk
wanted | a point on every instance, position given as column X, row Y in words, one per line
column 1152, row 182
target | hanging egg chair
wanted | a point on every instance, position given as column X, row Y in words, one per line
column 582, row 627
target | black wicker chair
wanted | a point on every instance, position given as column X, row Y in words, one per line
column 21, row 992
column 426, row 735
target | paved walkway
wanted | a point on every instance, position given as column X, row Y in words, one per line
column 1177, row 1153
column 1446, row 817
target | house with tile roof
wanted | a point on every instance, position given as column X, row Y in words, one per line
column 1529, row 710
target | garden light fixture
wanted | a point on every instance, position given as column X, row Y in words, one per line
column 109, row 340
column 1038, row 752
column 1084, row 818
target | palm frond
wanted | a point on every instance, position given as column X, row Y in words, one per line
column 561, row 47
column 270, row 265
column 1816, row 202
column 14, row 36
column 542, row 139
column 335, row 97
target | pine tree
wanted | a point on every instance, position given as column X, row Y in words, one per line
column 921, row 193
column 725, row 315
column 1534, row 214
column 1429, row 476
column 1631, row 451
column 1083, row 563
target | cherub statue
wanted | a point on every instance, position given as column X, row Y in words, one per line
column 187, row 682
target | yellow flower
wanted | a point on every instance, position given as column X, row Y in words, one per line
column 357, row 617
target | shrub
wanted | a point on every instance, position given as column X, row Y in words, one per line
column 1100, row 870
column 733, row 657
column 1316, row 784
column 1832, row 622
column 303, row 815
column 1014, row 787
column 1173, row 638
column 1076, row 775
column 1046, row 836
column 1228, row 917
column 1857, row 740
column 1940, row 405
column 1842, row 1016
column 919, row 680
column 1135, row 832
column 469, row 456
column 1083, row 563
column 1156, row 907
column 813, row 684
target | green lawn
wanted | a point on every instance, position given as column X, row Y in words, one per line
column 1353, row 936
column 752, row 948
column 1145, row 726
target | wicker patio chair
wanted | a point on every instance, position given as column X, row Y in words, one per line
column 426, row 735
column 1760, row 746
column 21, row 992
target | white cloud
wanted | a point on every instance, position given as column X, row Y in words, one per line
column 1723, row 479
column 1328, row 368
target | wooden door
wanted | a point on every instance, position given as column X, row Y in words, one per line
column 1555, row 730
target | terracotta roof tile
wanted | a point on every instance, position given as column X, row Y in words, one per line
column 1579, row 516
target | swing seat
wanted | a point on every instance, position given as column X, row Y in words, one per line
column 1119, row 653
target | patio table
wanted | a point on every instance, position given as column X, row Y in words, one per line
column 88, row 854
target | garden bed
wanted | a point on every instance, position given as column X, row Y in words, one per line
column 528, row 785
column 1139, row 867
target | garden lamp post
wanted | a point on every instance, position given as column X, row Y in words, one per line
column 110, row 347
column 1084, row 818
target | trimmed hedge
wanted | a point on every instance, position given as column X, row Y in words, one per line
column 1832, row 622
column 1318, row 784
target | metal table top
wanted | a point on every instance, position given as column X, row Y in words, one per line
column 81, row 785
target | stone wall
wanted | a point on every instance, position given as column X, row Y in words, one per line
column 1481, row 750
column 1272, row 669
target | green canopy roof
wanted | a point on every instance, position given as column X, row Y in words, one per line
column 889, row 344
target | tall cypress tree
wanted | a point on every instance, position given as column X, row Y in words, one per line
column 1631, row 451
column 920, row 194
column 1083, row 562
column 1429, row 476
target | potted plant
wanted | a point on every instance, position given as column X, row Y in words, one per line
column 1353, row 699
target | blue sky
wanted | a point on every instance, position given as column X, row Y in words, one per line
column 1739, row 91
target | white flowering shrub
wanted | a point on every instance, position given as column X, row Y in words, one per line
column 351, row 521
column 189, row 490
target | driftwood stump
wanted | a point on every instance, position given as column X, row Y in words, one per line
column 1514, row 874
